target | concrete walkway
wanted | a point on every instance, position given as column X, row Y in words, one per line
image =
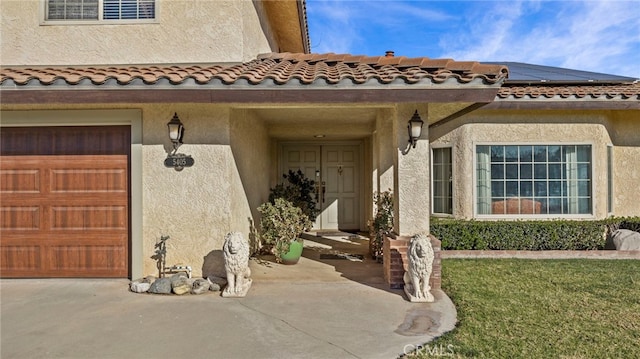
column 319, row 308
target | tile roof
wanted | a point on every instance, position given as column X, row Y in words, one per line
column 629, row 91
column 269, row 69
column 316, row 70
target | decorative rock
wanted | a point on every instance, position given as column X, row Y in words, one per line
column 416, row 280
column 161, row 286
column 626, row 240
column 140, row 285
column 180, row 284
column 236, row 263
column 214, row 286
column 200, row 286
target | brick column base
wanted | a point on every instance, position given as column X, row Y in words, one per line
column 394, row 260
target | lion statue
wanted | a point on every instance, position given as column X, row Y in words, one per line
column 416, row 279
column 236, row 264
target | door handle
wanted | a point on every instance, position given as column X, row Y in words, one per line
column 324, row 189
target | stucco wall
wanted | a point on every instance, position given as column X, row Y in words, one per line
column 548, row 127
column 192, row 206
column 250, row 171
column 412, row 181
column 625, row 133
column 186, row 32
column 198, row 206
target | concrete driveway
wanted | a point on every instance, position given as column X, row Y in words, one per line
column 316, row 309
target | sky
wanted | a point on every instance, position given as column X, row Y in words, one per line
column 592, row 35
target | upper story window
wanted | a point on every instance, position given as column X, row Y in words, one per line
column 534, row 180
column 99, row 10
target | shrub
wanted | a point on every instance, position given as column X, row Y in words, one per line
column 528, row 235
column 281, row 223
column 382, row 222
column 299, row 190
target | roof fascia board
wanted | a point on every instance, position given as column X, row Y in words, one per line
column 434, row 94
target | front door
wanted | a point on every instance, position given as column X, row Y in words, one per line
column 336, row 170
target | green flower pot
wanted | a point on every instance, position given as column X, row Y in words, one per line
column 294, row 253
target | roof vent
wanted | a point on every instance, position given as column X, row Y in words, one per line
column 389, row 54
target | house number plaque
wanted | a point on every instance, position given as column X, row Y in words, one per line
column 179, row 161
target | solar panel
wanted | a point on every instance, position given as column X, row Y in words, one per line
column 530, row 73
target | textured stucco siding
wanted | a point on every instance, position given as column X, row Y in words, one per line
column 192, row 206
column 625, row 132
column 405, row 173
column 412, row 194
column 598, row 129
column 219, row 194
column 185, row 32
column 250, row 171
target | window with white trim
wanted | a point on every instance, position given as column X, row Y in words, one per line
column 100, row 10
column 441, row 180
column 533, row 179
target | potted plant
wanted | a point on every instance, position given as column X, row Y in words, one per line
column 281, row 225
column 291, row 210
column 381, row 224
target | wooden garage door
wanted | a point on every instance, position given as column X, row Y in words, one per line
column 65, row 202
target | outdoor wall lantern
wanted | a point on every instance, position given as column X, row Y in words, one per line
column 177, row 161
column 415, row 129
column 176, row 131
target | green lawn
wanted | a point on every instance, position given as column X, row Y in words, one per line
column 511, row 308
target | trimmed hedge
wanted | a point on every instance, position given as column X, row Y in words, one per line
column 528, row 235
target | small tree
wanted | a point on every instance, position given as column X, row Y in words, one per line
column 161, row 255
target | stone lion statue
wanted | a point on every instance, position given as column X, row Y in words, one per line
column 236, row 264
column 416, row 279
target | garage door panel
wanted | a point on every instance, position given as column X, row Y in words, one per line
column 79, row 258
column 88, row 180
column 89, row 218
column 20, row 218
column 20, row 258
column 64, row 201
column 20, row 181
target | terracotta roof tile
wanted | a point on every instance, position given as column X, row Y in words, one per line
column 630, row 91
column 281, row 68
column 308, row 69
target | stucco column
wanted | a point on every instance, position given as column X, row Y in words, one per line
column 386, row 142
column 412, row 183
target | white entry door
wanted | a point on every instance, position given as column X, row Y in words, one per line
column 336, row 171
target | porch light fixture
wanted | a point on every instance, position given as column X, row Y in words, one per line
column 177, row 161
column 176, row 132
column 415, row 129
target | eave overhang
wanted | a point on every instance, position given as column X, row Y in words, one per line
column 272, row 78
column 585, row 96
column 288, row 19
